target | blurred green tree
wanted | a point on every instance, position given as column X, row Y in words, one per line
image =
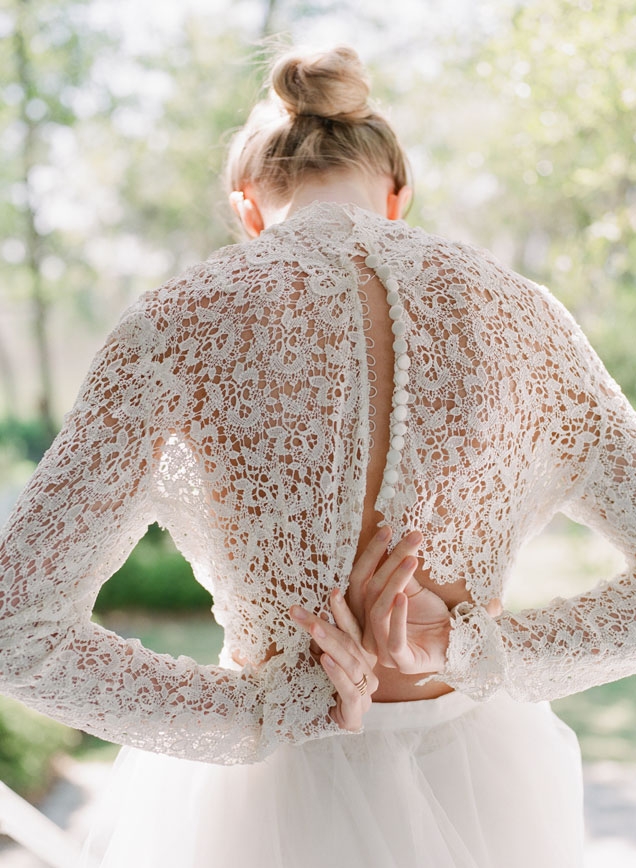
column 172, row 187
column 529, row 150
column 49, row 54
column 566, row 74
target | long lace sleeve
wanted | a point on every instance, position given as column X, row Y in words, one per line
column 88, row 503
column 570, row 644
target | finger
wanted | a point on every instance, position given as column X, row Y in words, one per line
column 306, row 619
column 494, row 607
column 380, row 614
column 369, row 644
column 351, row 704
column 344, row 650
column 345, row 619
column 367, row 562
column 314, row 649
column 397, row 645
column 398, row 582
column 342, row 647
column 408, row 545
column 390, row 576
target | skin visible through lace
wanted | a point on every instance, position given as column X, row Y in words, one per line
column 393, row 685
column 231, row 406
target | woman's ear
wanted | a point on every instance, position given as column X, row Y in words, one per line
column 248, row 213
column 396, row 203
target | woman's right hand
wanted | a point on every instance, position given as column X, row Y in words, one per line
column 338, row 647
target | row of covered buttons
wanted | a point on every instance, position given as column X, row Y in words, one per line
column 401, row 397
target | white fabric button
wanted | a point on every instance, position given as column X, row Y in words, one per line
column 400, row 379
column 372, row 260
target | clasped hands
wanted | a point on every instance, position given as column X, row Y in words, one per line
column 406, row 627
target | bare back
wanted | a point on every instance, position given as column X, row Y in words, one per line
column 393, row 685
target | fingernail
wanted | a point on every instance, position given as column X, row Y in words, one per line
column 326, row 659
column 297, row 612
column 384, row 534
column 337, row 596
column 415, row 538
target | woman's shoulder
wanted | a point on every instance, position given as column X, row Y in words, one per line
column 478, row 275
column 205, row 283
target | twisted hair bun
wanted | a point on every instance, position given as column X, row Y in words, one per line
column 316, row 119
column 332, row 84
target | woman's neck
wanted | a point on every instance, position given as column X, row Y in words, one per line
column 345, row 188
column 344, row 192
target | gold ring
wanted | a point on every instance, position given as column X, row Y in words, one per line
column 362, row 685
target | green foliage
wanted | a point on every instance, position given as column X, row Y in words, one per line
column 28, row 743
column 172, row 189
column 604, row 719
column 25, row 439
column 565, row 73
column 519, row 127
column 524, row 144
column 155, row 577
column 22, row 444
column 55, row 109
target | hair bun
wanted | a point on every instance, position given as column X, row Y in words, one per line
column 330, row 84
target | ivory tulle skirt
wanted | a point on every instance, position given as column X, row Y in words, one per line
column 442, row 783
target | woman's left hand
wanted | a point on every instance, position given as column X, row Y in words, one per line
column 407, row 626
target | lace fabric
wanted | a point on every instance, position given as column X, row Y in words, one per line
column 234, row 406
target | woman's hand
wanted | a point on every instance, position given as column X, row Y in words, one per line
column 349, row 667
column 406, row 625
column 339, row 647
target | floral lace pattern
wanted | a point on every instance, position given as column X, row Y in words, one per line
column 232, row 405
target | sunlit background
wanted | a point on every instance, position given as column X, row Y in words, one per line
column 519, row 121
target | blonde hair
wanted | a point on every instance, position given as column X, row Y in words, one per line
column 316, row 118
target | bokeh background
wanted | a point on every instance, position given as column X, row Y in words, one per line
column 519, row 121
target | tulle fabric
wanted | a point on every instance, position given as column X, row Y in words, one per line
column 443, row 783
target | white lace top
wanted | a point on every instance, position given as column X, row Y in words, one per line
column 232, row 406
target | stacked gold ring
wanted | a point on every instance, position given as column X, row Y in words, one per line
column 362, row 685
